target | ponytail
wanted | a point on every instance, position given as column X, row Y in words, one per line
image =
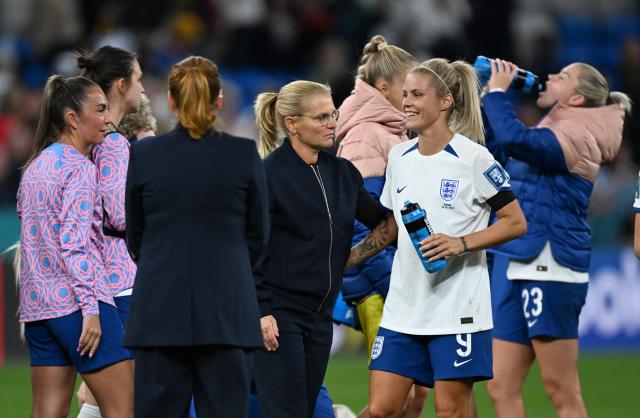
column 59, row 94
column 266, row 121
column 459, row 80
column 194, row 84
column 466, row 117
column 622, row 100
column 271, row 109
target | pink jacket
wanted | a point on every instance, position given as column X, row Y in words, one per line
column 588, row 137
column 367, row 129
column 112, row 160
column 61, row 238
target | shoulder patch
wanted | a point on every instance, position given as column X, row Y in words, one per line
column 496, row 175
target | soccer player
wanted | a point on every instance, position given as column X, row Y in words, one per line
column 71, row 322
column 436, row 327
column 553, row 167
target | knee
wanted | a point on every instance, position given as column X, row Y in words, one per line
column 498, row 389
column 451, row 410
column 379, row 410
column 559, row 390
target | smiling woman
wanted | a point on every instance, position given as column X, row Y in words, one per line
column 71, row 323
column 436, row 326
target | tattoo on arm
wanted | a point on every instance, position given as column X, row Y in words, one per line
column 382, row 235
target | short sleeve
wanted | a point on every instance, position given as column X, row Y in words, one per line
column 489, row 177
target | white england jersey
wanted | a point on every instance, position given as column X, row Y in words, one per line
column 453, row 187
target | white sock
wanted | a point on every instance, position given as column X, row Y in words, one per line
column 89, row 411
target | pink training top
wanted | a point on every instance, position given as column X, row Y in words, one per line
column 112, row 160
column 61, row 239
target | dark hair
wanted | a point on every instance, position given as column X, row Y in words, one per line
column 194, row 84
column 106, row 65
column 59, row 94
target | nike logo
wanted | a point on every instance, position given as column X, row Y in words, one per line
column 398, row 190
column 532, row 323
column 456, row 364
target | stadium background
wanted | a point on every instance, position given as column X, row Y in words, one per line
column 262, row 44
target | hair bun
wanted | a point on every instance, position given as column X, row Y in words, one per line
column 86, row 63
column 376, row 43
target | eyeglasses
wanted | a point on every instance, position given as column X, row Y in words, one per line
column 324, row 118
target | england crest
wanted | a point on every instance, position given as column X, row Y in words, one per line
column 377, row 348
column 449, row 189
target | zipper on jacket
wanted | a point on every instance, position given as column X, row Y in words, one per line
column 316, row 172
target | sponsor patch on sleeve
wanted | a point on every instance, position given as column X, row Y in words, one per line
column 496, row 175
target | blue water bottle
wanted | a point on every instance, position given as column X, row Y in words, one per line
column 418, row 227
column 525, row 81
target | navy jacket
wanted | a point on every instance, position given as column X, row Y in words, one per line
column 313, row 208
column 548, row 173
column 197, row 222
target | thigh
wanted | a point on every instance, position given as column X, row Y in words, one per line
column 552, row 309
column 452, row 398
column 511, row 364
column 281, row 378
column 112, row 387
column 388, row 392
column 223, row 382
column 402, row 354
column 52, row 389
column 558, row 360
column 163, row 382
column 461, row 357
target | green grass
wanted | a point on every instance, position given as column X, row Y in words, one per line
column 609, row 383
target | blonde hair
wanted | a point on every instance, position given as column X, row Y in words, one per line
column 194, row 84
column 594, row 88
column 381, row 60
column 458, row 79
column 143, row 120
column 271, row 109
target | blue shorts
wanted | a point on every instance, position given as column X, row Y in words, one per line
column 429, row 358
column 526, row 309
column 54, row 342
column 122, row 303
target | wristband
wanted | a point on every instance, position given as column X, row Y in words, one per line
column 464, row 244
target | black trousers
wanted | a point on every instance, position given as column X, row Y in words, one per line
column 288, row 380
column 218, row 377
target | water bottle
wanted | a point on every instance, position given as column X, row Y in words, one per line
column 525, row 81
column 418, row 227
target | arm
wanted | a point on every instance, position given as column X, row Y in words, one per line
column 257, row 222
column 383, row 235
column 536, row 146
column 78, row 200
column 112, row 158
column 76, row 216
column 510, row 225
column 133, row 209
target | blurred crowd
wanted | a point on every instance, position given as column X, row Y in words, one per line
column 262, row 44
